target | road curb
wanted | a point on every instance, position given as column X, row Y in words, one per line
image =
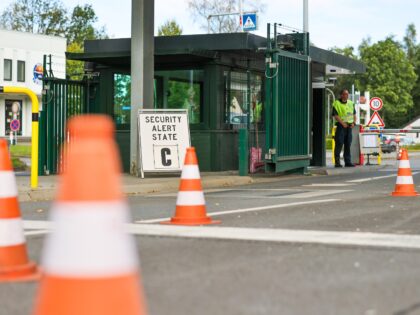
column 43, row 194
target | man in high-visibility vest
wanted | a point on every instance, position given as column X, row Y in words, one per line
column 344, row 113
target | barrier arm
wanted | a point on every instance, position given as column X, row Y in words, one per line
column 35, row 127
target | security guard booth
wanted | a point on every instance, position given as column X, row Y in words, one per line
column 227, row 82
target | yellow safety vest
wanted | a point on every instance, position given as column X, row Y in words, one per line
column 345, row 110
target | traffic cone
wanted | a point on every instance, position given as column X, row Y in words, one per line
column 404, row 186
column 89, row 261
column 14, row 262
column 190, row 204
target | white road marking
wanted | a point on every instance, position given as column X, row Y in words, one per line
column 37, row 225
column 36, row 232
column 313, row 194
column 295, row 194
column 328, row 185
column 283, row 205
column 374, row 178
column 379, row 240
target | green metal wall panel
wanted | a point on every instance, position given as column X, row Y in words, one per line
column 287, row 108
column 292, row 85
column 201, row 140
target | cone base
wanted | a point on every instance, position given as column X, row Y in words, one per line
column 28, row 272
column 405, row 194
column 196, row 221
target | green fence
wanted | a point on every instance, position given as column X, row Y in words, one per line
column 61, row 99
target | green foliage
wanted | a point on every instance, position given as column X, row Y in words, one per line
column 170, row 28
column 390, row 76
column 18, row 165
column 81, row 26
column 74, row 68
column 36, row 16
column 20, row 150
column 413, row 54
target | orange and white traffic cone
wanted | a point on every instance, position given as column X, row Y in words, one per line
column 405, row 185
column 14, row 262
column 89, row 261
column 190, row 203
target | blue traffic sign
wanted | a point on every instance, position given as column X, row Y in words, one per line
column 249, row 21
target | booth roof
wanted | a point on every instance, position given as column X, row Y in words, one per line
column 200, row 47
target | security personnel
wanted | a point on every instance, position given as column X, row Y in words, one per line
column 344, row 113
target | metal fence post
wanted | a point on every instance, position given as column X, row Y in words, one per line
column 243, row 152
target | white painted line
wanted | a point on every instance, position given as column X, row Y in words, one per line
column 282, row 236
column 270, row 235
column 37, row 225
column 305, row 194
column 374, row 178
column 37, row 232
column 328, row 185
column 313, row 194
column 283, row 205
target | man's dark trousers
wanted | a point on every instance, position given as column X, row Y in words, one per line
column 343, row 136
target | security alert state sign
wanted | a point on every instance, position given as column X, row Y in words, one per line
column 164, row 138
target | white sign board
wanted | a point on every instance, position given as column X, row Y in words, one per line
column 369, row 143
column 164, row 138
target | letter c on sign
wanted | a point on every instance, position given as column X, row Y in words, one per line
column 164, row 153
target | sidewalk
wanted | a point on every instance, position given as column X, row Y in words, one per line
column 137, row 186
column 168, row 183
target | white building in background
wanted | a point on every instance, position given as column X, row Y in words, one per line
column 413, row 125
column 21, row 64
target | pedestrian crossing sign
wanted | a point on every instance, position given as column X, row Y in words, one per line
column 249, row 22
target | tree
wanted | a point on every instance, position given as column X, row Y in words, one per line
column 390, row 76
column 202, row 9
column 344, row 81
column 50, row 17
column 410, row 45
column 170, row 28
column 412, row 50
column 74, row 68
column 36, row 16
column 81, row 25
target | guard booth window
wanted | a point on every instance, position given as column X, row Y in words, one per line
column 175, row 89
column 122, row 100
column 181, row 89
column 243, row 100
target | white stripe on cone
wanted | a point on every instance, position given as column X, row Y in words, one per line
column 404, row 180
column 89, row 240
column 404, row 164
column 190, row 172
column 8, row 186
column 190, row 198
column 11, row 232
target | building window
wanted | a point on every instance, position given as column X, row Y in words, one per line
column 7, row 70
column 21, row 71
column 13, row 111
column 181, row 89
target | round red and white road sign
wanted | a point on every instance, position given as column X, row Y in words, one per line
column 376, row 103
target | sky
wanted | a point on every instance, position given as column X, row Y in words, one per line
column 331, row 22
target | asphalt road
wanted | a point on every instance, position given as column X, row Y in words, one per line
column 232, row 271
